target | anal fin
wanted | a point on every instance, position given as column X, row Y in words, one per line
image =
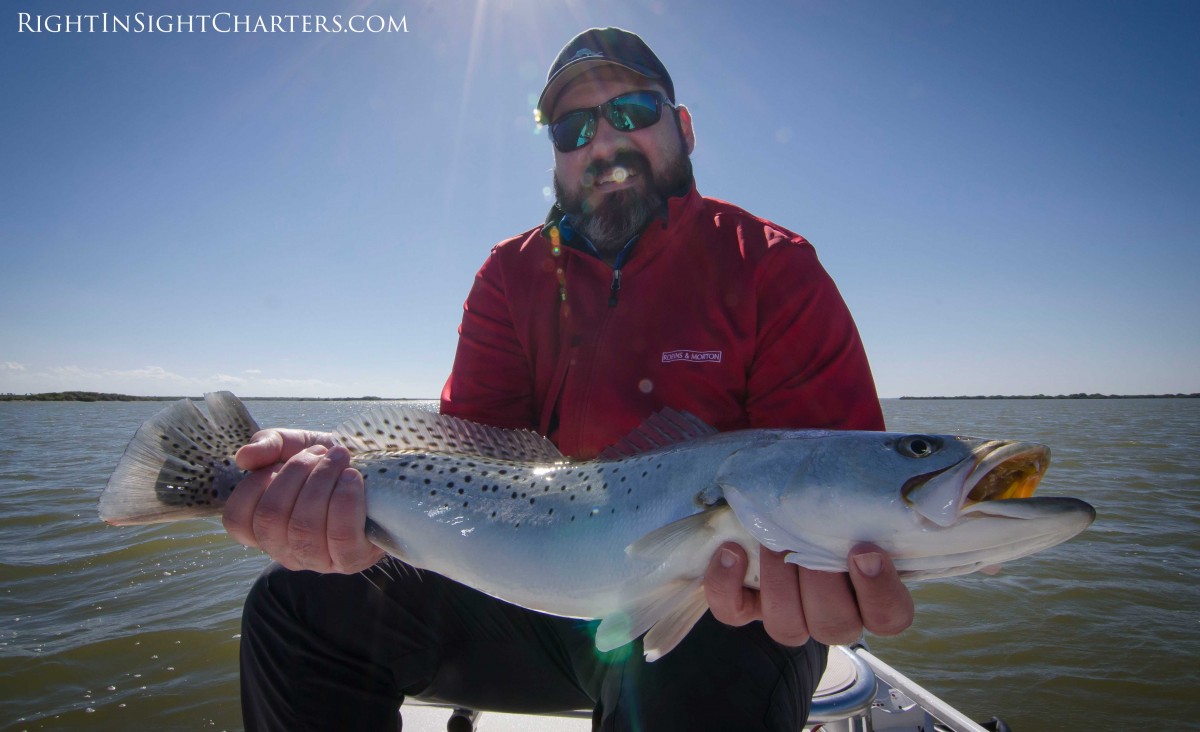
column 665, row 617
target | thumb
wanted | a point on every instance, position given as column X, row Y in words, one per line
column 268, row 447
column 264, row 448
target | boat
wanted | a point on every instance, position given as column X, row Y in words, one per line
column 859, row 692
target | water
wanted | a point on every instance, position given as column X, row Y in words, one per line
column 137, row 627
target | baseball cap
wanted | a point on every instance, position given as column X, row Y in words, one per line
column 595, row 46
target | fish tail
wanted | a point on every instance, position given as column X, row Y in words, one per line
column 179, row 464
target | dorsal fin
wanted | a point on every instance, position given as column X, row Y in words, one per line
column 395, row 429
column 662, row 429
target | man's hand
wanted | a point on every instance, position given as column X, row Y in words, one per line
column 302, row 504
column 795, row 603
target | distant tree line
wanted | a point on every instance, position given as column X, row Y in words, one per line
column 1080, row 395
column 80, row 396
column 95, row 396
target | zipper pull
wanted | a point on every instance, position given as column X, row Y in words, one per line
column 616, row 287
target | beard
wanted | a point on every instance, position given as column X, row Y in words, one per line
column 621, row 215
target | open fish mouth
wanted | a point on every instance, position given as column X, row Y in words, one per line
column 995, row 471
column 1005, row 470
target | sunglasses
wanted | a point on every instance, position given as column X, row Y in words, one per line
column 625, row 113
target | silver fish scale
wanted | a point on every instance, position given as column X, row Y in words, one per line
column 513, row 493
column 553, row 536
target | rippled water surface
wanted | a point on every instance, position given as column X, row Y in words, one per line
column 137, row 627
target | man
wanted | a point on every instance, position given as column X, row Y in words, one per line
column 637, row 294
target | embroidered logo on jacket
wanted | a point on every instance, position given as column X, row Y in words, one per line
column 693, row 356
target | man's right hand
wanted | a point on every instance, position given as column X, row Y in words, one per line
column 302, row 504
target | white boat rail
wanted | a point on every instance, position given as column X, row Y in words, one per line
column 946, row 714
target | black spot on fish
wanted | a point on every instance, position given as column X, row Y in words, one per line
column 382, row 471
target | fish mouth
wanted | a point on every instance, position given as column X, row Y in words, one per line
column 995, row 471
column 1004, row 471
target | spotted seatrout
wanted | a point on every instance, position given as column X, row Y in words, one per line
column 627, row 537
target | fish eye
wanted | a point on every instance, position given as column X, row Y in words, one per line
column 918, row 446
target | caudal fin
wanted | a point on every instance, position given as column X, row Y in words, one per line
column 180, row 463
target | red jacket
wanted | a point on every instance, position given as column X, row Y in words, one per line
column 719, row 313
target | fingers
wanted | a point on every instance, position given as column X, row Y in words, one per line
column 238, row 516
column 884, row 602
column 730, row 601
column 302, row 537
column 782, row 611
column 830, row 606
column 795, row 603
column 349, row 550
column 308, row 513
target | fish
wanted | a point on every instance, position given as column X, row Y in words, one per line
column 626, row 538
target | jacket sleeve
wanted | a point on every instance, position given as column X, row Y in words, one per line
column 809, row 368
column 491, row 381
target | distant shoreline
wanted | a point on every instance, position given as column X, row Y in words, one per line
column 1067, row 396
column 93, row 396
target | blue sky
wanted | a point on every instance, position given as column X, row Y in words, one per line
column 1008, row 194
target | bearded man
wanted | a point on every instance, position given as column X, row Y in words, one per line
column 636, row 294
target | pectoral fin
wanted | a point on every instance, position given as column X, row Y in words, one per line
column 683, row 535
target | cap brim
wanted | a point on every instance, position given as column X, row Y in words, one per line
column 569, row 73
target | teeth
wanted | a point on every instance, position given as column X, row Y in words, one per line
column 616, row 175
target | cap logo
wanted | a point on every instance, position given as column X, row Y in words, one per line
column 585, row 53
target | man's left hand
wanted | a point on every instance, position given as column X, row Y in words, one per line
column 795, row 603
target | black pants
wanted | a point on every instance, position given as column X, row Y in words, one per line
column 324, row 652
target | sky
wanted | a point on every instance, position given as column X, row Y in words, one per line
column 1007, row 193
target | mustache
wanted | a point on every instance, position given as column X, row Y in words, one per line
column 631, row 160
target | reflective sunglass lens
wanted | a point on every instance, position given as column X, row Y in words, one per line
column 626, row 113
column 573, row 130
column 632, row 114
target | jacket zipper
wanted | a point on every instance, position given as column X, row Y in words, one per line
column 616, row 287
